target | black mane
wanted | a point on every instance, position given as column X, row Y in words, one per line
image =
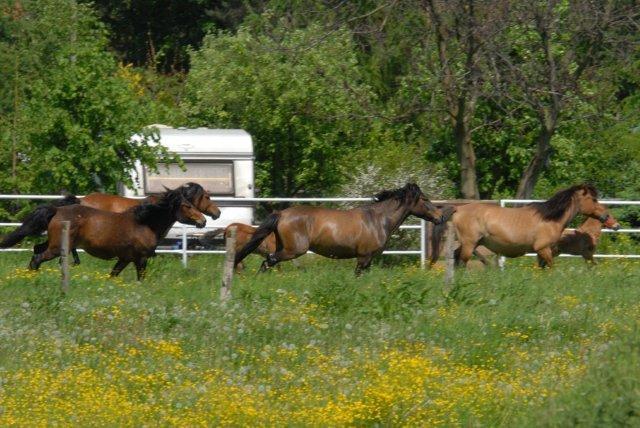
column 168, row 202
column 191, row 191
column 409, row 193
column 554, row 208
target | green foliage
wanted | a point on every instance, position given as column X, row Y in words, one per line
column 68, row 110
column 297, row 92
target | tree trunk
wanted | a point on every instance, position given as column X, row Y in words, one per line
column 466, row 153
column 538, row 163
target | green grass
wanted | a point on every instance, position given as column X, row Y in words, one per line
column 313, row 345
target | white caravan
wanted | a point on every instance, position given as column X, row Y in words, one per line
column 221, row 160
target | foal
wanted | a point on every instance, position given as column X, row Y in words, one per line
column 360, row 233
column 513, row 232
column 130, row 236
column 583, row 240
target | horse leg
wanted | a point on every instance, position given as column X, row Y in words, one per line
column 38, row 259
column 364, row 262
column 76, row 258
column 120, row 265
column 464, row 253
column 141, row 266
column 277, row 257
column 545, row 257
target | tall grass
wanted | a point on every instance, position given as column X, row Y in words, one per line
column 315, row 346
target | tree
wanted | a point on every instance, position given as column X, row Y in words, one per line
column 68, row 111
column 297, row 91
column 547, row 56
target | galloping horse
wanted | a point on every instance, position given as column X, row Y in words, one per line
column 192, row 192
column 512, row 232
column 36, row 222
column 244, row 233
column 583, row 240
column 130, row 236
column 360, row 233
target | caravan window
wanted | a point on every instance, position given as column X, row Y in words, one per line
column 215, row 177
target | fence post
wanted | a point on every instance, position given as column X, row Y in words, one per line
column 423, row 243
column 227, row 274
column 449, row 248
column 501, row 259
column 64, row 256
column 184, row 246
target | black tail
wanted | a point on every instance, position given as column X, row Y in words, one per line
column 37, row 221
column 268, row 226
column 438, row 232
column 208, row 238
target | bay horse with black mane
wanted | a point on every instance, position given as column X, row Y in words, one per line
column 36, row 222
column 129, row 236
column 360, row 233
column 513, row 232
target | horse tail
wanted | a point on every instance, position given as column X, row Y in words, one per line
column 33, row 225
column 265, row 229
column 438, row 232
column 208, row 238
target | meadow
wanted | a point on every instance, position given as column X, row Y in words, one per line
column 314, row 346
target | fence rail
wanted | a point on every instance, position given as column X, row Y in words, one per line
column 422, row 226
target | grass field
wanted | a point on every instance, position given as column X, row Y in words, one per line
column 315, row 346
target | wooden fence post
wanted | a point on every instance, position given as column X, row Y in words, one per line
column 227, row 274
column 449, row 248
column 64, row 256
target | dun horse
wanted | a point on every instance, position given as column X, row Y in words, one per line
column 130, row 236
column 512, row 232
column 360, row 233
column 583, row 240
column 244, row 233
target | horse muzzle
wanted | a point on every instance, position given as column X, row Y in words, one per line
column 201, row 224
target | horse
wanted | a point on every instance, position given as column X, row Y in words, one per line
column 512, row 232
column 359, row 233
column 193, row 192
column 244, row 233
column 583, row 240
column 130, row 236
column 36, row 223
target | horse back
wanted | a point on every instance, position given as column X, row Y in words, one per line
column 113, row 203
column 102, row 233
column 330, row 232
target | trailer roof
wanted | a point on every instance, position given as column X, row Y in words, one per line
column 205, row 141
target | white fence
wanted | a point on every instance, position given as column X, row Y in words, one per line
column 422, row 226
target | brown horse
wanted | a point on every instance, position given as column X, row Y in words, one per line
column 512, row 232
column 130, row 236
column 583, row 240
column 360, row 233
column 192, row 192
column 244, row 233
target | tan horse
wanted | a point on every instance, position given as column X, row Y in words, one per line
column 360, row 233
column 244, row 233
column 513, row 232
column 583, row 240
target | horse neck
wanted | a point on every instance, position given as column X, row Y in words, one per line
column 391, row 213
column 160, row 224
column 570, row 213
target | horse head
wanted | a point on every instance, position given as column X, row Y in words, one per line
column 201, row 199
